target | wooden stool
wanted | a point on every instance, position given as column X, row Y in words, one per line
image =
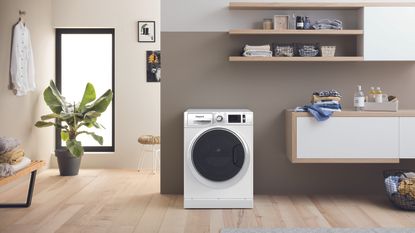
column 152, row 142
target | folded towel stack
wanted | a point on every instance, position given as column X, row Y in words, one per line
column 257, row 51
column 323, row 104
column 327, row 100
column 10, row 151
column 11, row 156
column 326, row 24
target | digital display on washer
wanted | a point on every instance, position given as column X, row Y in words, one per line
column 234, row 118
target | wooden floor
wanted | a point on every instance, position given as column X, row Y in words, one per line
column 120, row 201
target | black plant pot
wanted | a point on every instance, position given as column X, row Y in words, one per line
column 68, row 164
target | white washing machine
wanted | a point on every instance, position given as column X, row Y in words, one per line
column 218, row 158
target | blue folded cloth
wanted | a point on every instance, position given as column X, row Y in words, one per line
column 319, row 113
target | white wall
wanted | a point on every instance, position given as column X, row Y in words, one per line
column 137, row 102
column 18, row 114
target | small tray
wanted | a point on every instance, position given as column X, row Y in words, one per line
column 386, row 107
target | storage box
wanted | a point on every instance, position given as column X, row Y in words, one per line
column 281, row 22
column 387, row 106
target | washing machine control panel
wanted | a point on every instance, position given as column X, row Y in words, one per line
column 203, row 118
column 233, row 118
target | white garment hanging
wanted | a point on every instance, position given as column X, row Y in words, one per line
column 22, row 68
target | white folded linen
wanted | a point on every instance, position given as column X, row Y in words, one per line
column 255, row 53
column 257, row 47
column 6, row 170
column 22, row 164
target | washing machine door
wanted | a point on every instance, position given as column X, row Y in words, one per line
column 218, row 155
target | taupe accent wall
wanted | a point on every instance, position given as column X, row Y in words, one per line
column 198, row 75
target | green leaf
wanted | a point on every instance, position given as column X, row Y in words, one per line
column 89, row 95
column 64, row 135
column 50, row 116
column 101, row 104
column 97, row 138
column 75, row 147
column 51, row 100
column 92, row 114
column 58, row 96
column 43, row 124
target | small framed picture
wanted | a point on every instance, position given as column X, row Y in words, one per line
column 281, row 22
column 146, row 31
column 153, row 66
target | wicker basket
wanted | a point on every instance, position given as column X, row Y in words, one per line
column 284, row 50
column 328, row 51
column 308, row 50
column 405, row 202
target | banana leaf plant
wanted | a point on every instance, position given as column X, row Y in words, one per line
column 73, row 119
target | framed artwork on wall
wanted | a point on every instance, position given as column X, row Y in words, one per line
column 153, row 60
column 147, row 31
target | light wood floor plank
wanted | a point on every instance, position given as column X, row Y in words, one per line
column 289, row 214
column 175, row 218
column 309, row 212
column 125, row 201
column 267, row 212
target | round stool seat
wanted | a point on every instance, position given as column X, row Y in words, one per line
column 149, row 140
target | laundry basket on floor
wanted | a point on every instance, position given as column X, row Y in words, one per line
column 406, row 202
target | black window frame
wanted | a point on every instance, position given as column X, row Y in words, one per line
column 58, row 53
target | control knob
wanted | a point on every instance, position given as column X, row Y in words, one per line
column 219, row 118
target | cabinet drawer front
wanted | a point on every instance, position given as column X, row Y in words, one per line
column 407, row 138
column 348, row 137
column 389, row 33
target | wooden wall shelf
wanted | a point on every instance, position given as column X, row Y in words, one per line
column 294, row 32
column 312, row 5
column 295, row 59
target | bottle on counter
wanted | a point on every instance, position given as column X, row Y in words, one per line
column 359, row 99
column 378, row 95
column 372, row 94
column 299, row 23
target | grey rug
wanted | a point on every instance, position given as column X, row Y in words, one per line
column 320, row 230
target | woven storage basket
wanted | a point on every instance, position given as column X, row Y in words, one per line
column 405, row 202
column 328, row 51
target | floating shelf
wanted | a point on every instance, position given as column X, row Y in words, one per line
column 312, row 5
column 294, row 32
column 295, row 59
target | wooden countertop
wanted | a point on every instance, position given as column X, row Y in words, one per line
column 352, row 113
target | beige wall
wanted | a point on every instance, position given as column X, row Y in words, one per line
column 137, row 102
column 18, row 114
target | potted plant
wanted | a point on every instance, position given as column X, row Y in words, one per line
column 73, row 119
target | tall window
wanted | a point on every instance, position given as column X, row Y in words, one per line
column 82, row 56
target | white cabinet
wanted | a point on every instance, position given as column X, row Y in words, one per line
column 348, row 138
column 389, row 34
column 351, row 137
column 407, row 137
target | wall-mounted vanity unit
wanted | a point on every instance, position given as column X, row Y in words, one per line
column 351, row 137
column 373, row 31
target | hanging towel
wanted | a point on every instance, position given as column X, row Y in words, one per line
column 22, row 68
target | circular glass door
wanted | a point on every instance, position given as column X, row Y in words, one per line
column 218, row 155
